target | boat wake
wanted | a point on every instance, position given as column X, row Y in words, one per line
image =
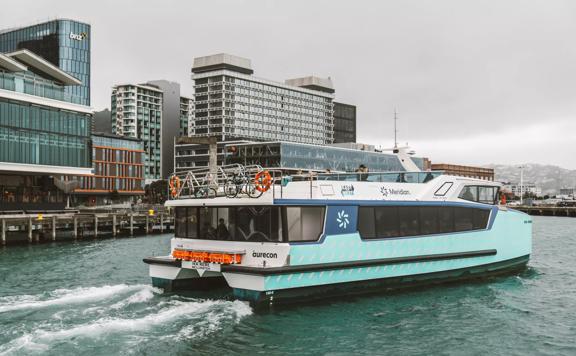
column 126, row 316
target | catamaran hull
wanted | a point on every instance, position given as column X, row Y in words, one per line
column 380, row 285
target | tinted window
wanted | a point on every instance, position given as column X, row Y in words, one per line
column 429, row 220
column 463, row 219
column 366, row 225
column 408, row 220
column 469, row 193
column 445, row 219
column 480, row 218
column 180, row 222
column 386, row 221
column 383, row 222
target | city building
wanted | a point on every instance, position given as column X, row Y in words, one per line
column 137, row 112
column 233, row 105
column 62, row 42
column 186, row 116
column 465, row 171
column 102, row 120
column 299, row 156
column 344, row 123
column 567, row 192
column 527, row 188
column 118, row 172
column 45, row 117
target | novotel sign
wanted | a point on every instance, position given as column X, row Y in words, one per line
column 78, row 36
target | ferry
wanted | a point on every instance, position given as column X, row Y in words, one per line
column 277, row 238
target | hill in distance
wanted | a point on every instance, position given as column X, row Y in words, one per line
column 549, row 178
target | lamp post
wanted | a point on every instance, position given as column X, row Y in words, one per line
column 521, row 185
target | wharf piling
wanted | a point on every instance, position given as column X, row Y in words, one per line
column 35, row 227
column 547, row 210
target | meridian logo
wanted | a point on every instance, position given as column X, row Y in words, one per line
column 78, row 36
column 342, row 219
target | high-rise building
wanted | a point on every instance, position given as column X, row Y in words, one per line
column 137, row 112
column 186, row 116
column 64, row 43
column 344, row 123
column 233, row 105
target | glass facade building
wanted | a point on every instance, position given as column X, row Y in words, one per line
column 296, row 156
column 64, row 43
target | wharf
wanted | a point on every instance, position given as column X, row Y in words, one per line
column 19, row 228
column 547, row 210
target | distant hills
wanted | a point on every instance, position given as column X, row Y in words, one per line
column 549, row 178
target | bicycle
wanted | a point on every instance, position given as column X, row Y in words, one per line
column 205, row 192
column 240, row 184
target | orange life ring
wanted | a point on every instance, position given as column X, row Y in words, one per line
column 263, row 181
column 174, row 186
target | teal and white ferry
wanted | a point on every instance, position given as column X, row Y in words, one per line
column 311, row 236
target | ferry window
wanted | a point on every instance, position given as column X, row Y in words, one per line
column 469, row 193
column 444, row 188
column 366, row 225
column 445, row 219
column 487, row 194
column 429, row 220
column 180, row 222
column 408, row 220
column 463, row 219
column 192, row 223
column 258, row 223
column 480, row 220
column 304, row 223
column 481, row 194
column 386, row 219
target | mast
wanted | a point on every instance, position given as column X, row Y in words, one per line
column 395, row 129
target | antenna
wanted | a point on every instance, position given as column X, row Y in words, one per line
column 395, row 129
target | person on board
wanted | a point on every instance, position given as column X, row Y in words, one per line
column 222, row 230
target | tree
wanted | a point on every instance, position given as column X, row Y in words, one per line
column 157, row 192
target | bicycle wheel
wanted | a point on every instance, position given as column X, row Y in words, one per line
column 230, row 189
column 206, row 192
column 252, row 191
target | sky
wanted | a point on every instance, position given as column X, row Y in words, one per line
column 474, row 82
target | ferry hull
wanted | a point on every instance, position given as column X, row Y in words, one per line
column 364, row 287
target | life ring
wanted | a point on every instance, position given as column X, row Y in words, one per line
column 262, row 181
column 174, row 186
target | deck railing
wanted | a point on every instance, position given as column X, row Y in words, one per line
column 200, row 178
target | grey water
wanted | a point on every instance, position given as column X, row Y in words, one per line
column 95, row 298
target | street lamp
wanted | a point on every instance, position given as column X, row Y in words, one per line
column 521, row 185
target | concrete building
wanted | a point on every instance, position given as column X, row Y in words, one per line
column 344, row 123
column 118, row 171
column 464, row 171
column 45, row 117
column 186, row 116
column 233, row 105
column 526, row 188
column 137, row 112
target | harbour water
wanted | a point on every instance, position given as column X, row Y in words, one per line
column 95, row 298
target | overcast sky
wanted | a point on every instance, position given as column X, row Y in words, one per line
column 475, row 82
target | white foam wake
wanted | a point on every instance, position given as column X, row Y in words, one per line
column 66, row 297
column 208, row 312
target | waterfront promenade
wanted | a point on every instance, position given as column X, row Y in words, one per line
column 38, row 227
column 548, row 210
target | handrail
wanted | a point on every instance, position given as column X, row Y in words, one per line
column 202, row 177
